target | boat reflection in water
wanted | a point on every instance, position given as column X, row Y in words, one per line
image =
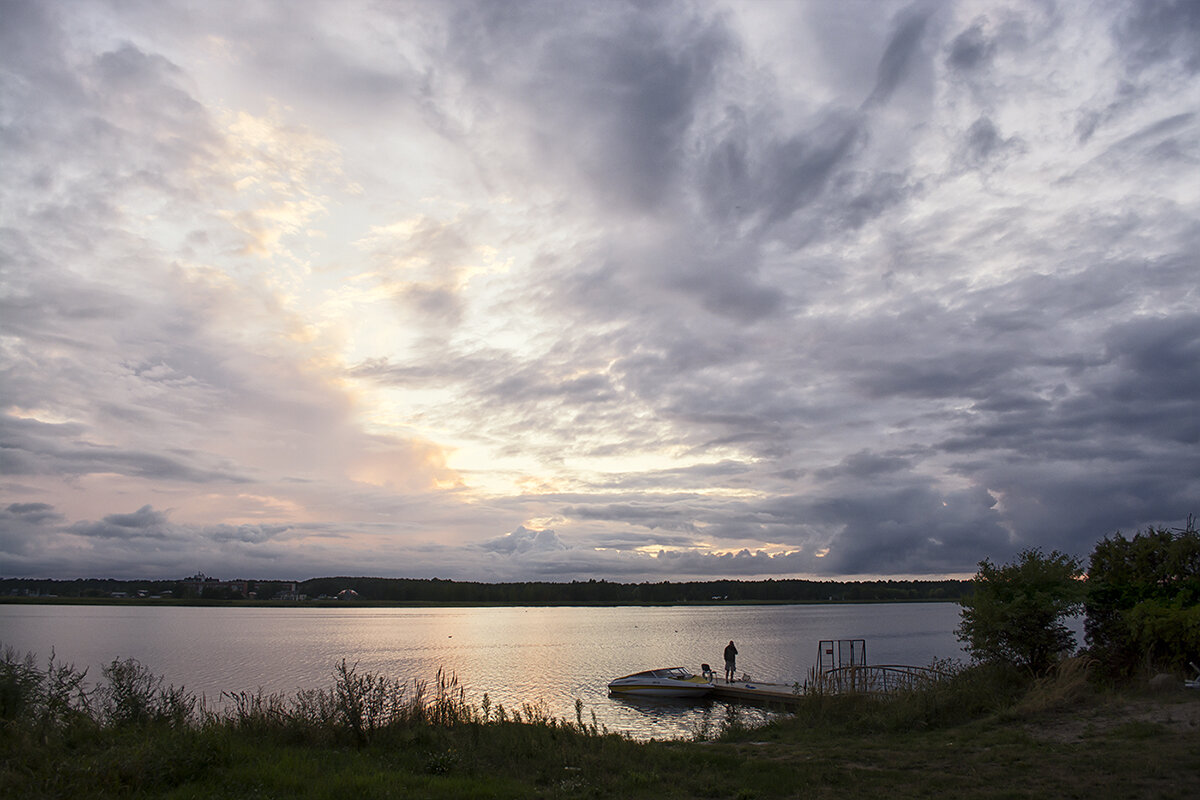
column 668, row 682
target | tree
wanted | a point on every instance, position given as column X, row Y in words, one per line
column 1016, row 612
column 1143, row 600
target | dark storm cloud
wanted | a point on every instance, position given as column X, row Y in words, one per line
column 1117, row 452
column 796, row 171
column 530, row 385
column 1136, row 398
column 1154, row 32
column 748, row 171
column 495, row 375
column 971, row 49
column 1157, row 358
column 634, row 91
column 33, row 512
column 38, row 448
column 723, row 288
column 22, row 526
column 575, row 563
column 145, row 523
column 870, row 196
column 683, row 478
column 984, row 143
column 907, row 529
column 245, row 534
column 649, row 515
column 955, row 373
column 897, row 57
column 608, row 93
column 1070, row 503
column 36, row 542
column 866, row 465
column 741, row 563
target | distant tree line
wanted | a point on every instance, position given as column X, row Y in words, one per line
column 601, row 591
column 417, row 590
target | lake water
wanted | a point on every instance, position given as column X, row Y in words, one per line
column 516, row 655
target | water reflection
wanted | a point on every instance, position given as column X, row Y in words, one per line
column 673, row 717
column 551, row 656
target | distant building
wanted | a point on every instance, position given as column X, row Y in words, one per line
column 291, row 594
column 200, row 583
column 347, row 594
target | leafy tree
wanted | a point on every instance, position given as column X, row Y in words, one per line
column 1016, row 613
column 1143, row 600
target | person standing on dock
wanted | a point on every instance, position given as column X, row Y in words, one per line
column 730, row 661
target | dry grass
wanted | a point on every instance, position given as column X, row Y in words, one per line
column 1067, row 685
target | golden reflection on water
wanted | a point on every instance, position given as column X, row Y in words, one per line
column 516, row 655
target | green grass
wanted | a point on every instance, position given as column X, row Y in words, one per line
column 982, row 735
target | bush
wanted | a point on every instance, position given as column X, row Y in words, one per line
column 1016, row 613
column 135, row 696
column 1168, row 634
column 19, row 684
column 1141, row 601
column 45, row 699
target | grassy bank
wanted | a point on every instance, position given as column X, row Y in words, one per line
column 982, row 734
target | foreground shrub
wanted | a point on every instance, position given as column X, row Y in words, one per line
column 1142, row 598
column 133, row 695
column 46, row 699
column 19, row 682
column 1016, row 613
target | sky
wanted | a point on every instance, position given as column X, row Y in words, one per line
column 635, row 291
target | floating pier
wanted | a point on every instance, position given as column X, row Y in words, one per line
column 757, row 692
column 841, row 669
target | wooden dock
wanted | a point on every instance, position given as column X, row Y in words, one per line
column 841, row 669
column 756, row 692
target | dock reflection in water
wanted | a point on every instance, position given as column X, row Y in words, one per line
column 673, row 718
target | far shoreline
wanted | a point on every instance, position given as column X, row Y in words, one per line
column 203, row 603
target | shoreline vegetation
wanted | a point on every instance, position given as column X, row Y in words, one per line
column 983, row 732
column 402, row 592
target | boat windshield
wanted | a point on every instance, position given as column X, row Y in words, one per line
column 679, row 673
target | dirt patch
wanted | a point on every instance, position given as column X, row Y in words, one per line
column 1180, row 714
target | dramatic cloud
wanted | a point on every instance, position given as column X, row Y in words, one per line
column 665, row 291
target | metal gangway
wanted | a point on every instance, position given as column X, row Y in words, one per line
column 842, row 668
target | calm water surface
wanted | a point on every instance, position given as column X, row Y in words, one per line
column 515, row 655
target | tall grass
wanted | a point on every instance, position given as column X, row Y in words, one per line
column 43, row 698
column 359, row 706
column 129, row 733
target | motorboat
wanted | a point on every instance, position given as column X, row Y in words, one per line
column 668, row 682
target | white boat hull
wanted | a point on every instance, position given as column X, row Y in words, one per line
column 671, row 682
column 661, row 691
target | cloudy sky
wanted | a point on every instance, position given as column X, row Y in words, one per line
column 626, row 290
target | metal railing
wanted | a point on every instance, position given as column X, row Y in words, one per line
column 873, row 679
